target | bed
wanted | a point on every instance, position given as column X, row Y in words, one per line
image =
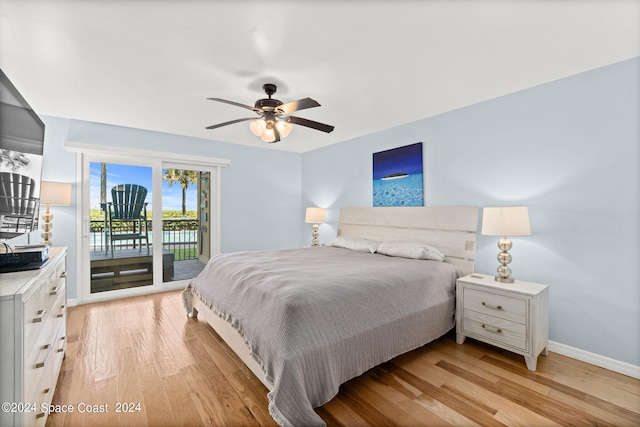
column 306, row 320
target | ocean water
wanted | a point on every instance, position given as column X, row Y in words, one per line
column 399, row 192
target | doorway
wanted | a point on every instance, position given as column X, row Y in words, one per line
column 186, row 222
column 166, row 243
column 120, row 241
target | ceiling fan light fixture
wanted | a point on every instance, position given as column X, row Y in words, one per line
column 264, row 129
column 268, row 135
column 275, row 121
column 257, row 127
column 284, row 128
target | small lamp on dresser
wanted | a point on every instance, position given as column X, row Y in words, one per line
column 505, row 221
column 315, row 216
column 52, row 194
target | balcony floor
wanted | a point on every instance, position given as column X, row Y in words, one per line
column 187, row 269
column 129, row 268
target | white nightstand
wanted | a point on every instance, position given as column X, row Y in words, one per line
column 512, row 316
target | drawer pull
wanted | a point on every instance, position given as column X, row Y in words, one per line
column 60, row 350
column 46, row 390
column 39, row 365
column 40, row 415
column 60, row 315
column 492, row 329
column 63, row 274
column 495, row 307
column 39, row 319
column 54, row 291
column 46, row 346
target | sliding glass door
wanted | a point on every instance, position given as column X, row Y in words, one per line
column 186, row 222
column 121, row 236
column 148, row 225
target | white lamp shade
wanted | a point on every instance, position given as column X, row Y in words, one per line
column 315, row 215
column 268, row 136
column 257, row 127
column 506, row 221
column 284, row 128
column 55, row 193
column 264, row 129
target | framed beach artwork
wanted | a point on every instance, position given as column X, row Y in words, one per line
column 397, row 176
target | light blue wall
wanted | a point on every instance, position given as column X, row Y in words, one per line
column 569, row 151
column 260, row 194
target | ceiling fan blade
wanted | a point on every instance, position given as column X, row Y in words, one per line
column 237, row 104
column 230, row 123
column 300, row 104
column 309, row 123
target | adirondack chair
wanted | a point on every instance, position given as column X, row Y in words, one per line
column 18, row 204
column 128, row 210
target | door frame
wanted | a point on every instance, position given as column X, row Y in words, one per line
column 86, row 153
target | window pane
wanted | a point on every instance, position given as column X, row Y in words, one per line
column 185, row 223
column 120, row 226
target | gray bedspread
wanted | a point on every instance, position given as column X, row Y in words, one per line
column 316, row 317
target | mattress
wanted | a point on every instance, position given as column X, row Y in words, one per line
column 316, row 317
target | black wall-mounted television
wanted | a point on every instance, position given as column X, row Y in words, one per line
column 21, row 149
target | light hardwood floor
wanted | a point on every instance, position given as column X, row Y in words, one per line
column 145, row 351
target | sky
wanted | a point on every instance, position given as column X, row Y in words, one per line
column 407, row 159
column 141, row 175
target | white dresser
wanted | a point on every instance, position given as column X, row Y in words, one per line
column 512, row 316
column 33, row 315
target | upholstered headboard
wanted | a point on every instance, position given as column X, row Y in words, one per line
column 451, row 229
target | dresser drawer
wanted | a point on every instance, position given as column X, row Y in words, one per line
column 496, row 329
column 497, row 305
column 40, row 308
column 43, row 394
column 38, row 361
column 39, row 418
column 59, row 320
column 59, row 280
column 35, row 315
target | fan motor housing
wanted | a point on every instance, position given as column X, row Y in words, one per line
column 268, row 103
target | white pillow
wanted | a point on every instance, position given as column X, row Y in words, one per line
column 359, row 244
column 409, row 249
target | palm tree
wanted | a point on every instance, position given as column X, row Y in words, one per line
column 103, row 183
column 184, row 178
column 13, row 160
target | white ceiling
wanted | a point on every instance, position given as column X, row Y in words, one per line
column 371, row 64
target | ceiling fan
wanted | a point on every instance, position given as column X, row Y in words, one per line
column 274, row 121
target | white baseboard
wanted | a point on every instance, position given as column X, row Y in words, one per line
column 595, row 359
column 72, row 302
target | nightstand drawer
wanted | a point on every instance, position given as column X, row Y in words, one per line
column 497, row 305
column 496, row 329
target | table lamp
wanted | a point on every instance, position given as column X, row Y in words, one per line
column 315, row 216
column 505, row 221
column 52, row 194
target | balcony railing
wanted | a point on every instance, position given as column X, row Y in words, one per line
column 179, row 236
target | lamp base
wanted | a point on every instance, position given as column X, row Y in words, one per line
column 314, row 242
column 504, row 257
column 47, row 225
